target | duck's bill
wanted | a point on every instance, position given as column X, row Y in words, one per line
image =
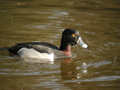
column 81, row 43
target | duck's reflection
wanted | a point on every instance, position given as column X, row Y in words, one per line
column 71, row 70
column 68, row 69
column 73, row 73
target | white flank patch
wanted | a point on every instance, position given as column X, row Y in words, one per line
column 27, row 53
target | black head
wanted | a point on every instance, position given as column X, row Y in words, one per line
column 70, row 36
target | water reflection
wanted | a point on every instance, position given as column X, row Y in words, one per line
column 66, row 74
column 80, row 74
column 72, row 70
column 43, row 20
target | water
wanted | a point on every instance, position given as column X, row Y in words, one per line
column 43, row 20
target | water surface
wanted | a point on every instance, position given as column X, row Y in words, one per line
column 97, row 67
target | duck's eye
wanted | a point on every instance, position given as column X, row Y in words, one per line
column 73, row 35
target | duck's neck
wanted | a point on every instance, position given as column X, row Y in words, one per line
column 66, row 48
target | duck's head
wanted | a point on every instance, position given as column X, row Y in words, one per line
column 72, row 37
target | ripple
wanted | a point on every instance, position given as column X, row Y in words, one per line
column 103, row 78
column 112, row 44
column 101, row 63
column 96, row 79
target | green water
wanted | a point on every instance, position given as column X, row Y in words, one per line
column 95, row 68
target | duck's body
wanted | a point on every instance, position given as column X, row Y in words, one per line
column 47, row 51
column 37, row 50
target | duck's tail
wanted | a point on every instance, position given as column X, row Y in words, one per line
column 4, row 48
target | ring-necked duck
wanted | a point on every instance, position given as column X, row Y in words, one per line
column 47, row 51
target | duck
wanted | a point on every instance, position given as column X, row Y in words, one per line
column 48, row 51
